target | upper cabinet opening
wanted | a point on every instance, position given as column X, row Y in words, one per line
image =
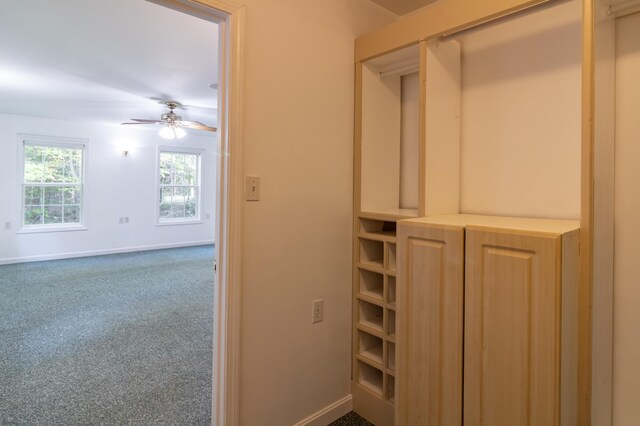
column 390, row 90
column 483, row 121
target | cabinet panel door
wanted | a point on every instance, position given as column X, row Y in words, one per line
column 512, row 328
column 430, row 327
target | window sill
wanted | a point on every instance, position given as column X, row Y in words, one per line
column 41, row 229
column 180, row 222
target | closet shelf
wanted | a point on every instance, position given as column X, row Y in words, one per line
column 395, row 214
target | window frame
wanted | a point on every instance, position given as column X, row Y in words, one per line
column 183, row 221
column 56, row 142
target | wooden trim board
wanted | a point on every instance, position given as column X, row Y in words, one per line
column 442, row 17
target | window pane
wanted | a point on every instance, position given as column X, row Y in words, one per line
column 179, row 170
column 72, row 165
column 54, row 162
column 33, row 165
column 165, row 211
column 71, row 194
column 177, row 211
column 33, row 195
column 191, row 195
column 166, row 195
column 52, row 214
column 165, row 168
column 190, row 210
column 53, row 195
column 71, row 214
column 180, row 194
column 33, row 215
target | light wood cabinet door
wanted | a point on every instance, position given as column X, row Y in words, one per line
column 512, row 328
column 430, row 325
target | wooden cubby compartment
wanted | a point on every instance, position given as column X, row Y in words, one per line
column 371, row 284
column 370, row 315
column 391, row 356
column 381, row 227
column 370, row 377
column 391, row 291
column 391, row 323
column 390, row 393
column 391, row 256
column 370, row 347
column 372, row 252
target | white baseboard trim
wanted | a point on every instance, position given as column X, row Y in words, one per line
column 71, row 255
column 329, row 413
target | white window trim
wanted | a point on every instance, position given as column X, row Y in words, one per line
column 180, row 150
column 51, row 141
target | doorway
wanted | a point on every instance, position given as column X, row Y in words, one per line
column 225, row 237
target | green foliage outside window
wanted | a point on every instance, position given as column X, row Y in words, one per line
column 178, row 186
column 52, row 185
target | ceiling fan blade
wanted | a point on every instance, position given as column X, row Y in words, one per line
column 197, row 125
column 143, row 121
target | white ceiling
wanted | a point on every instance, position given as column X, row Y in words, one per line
column 105, row 61
column 401, row 7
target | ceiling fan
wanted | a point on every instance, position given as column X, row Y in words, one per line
column 172, row 124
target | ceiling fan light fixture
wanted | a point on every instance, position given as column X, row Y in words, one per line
column 167, row 133
column 180, row 133
column 172, row 131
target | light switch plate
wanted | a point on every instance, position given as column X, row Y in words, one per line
column 252, row 188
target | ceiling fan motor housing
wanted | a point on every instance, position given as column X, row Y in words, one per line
column 171, row 117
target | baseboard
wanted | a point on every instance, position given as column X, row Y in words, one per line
column 88, row 253
column 329, row 413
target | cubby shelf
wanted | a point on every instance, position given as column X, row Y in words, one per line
column 377, row 236
column 374, row 307
column 371, row 378
column 389, row 215
column 371, row 285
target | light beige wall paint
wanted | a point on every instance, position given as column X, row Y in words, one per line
column 520, row 124
column 297, row 239
column 626, row 335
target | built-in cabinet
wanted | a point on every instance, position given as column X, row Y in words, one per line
column 466, row 115
column 489, row 306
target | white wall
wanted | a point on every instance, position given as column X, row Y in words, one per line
column 520, row 123
column 297, row 238
column 626, row 334
column 115, row 186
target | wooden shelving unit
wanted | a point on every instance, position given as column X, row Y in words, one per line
column 417, row 160
column 389, row 187
column 374, row 316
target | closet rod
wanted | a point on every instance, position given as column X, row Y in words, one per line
column 628, row 7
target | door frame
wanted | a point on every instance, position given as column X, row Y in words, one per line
column 230, row 16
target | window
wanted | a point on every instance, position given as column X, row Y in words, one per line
column 52, row 185
column 179, row 187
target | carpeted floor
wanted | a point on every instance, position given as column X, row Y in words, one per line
column 108, row 340
column 351, row 419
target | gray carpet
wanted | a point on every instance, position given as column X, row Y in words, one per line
column 351, row 419
column 123, row 339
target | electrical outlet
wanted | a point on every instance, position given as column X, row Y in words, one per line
column 317, row 311
column 121, row 220
column 126, row 219
column 7, row 225
column 252, row 188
